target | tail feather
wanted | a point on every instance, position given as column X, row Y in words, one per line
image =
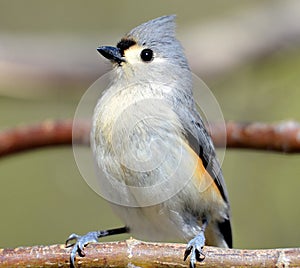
column 225, row 229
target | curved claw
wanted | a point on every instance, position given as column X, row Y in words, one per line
column 70, row 238
column 195, row 249
column 81, row 242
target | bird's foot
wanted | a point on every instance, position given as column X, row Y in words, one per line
column 81, row 242
column 91, row 237
column 195, row 249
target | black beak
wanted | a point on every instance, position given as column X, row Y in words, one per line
column 111, row 53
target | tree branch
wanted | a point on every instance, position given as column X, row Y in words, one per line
column 135, row 253
column 280, row 137
column 47, row 133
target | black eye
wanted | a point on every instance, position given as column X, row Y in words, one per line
column 147, row 54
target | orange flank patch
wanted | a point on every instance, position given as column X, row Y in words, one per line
column 205, row 184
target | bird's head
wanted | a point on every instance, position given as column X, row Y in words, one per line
column 148, row 49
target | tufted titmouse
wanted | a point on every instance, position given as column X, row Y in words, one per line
column 162, row 176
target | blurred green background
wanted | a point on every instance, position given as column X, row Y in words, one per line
column 47, row 61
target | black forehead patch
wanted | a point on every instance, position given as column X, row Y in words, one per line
column 125, row 44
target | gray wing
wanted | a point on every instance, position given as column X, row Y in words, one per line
column 201, row 142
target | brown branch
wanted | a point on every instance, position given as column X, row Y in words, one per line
column 280, row 137
column 47, row 133
column 135, row 253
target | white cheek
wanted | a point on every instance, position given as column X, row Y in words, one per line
column 132, row 56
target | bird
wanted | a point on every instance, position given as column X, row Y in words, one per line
column 162, row 175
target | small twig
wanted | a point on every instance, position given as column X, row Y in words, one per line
column 135, row 253
column 280, row 137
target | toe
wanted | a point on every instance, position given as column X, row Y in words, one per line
column 192, row 264
column 70, row 238
column 193, row 259
column 187, row 252
column 73, row 256
column 200, row 256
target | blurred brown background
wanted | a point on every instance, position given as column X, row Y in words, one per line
column 248, row 52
